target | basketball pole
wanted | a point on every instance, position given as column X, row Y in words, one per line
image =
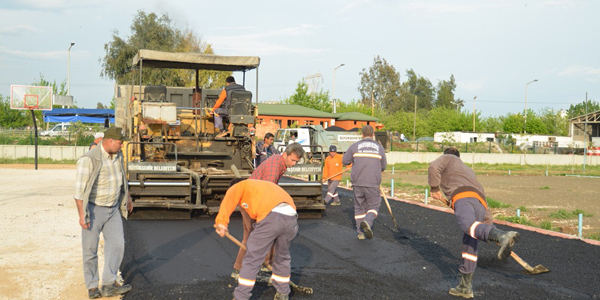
column 35, row 137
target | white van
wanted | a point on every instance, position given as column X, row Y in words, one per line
column 61, row 129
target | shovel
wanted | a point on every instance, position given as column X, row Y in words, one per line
column 539, row 269
column 298, row 288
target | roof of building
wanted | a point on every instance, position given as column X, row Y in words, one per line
column 355, row 116
column 291, row 110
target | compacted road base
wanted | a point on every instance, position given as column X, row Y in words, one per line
column 186, row 259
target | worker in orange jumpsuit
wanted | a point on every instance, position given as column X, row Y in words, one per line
column 276, row 224
column 333, row 165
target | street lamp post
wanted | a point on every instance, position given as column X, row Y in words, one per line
column 474, row 113
column 333, row 92
column 69, row 70
column 525, row 114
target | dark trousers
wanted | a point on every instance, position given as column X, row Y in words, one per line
column 275, row 229
column 366, row 205
column 332, row 191
column 470, row 214
column 248, row 224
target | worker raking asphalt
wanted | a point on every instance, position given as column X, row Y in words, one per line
column 186, row 259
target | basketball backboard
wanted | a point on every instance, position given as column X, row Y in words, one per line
column 31, row 97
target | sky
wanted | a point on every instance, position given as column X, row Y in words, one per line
column 493, row 48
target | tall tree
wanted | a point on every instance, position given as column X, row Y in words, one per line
column 153, row 32
column 382, row 81
column 416, row 85
column 319, row 100
column 12, row 118
column 445, row 94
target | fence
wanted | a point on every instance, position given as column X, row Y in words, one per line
column 53, row 152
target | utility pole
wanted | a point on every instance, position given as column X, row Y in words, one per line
column 474, row 113
column 585, row 134
column 415, row 121
column 372, row 103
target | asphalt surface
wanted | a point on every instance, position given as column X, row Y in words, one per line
column 186, row 259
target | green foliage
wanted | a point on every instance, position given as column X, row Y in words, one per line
column 516, row 220
column 546, row 225
column 153, row 32
column 580, row 108
column 545, row 188
column 496, row 204
column 523, row 208
column 12, row 118
column 563, row 214
column 445, row 94
column 41, row 160
column 319, row 101
column 382, row 81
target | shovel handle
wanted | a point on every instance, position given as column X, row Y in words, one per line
column 520, row 261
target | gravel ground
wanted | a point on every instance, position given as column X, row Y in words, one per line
column 40, row 237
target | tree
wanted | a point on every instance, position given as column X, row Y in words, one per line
column 554, row 122
column 580, row 108
column 445, row 94
column 319, row 101
column 100, row 106
column 12, row 118
column 383, row 82
column 153, row 32
column 416, row 85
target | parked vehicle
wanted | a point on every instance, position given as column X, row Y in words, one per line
column 61, row 129
column 315, row 135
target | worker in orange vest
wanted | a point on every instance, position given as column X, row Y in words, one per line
column 333, row 165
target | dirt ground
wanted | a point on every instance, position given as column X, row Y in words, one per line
column 539, row 195
column 40, row 237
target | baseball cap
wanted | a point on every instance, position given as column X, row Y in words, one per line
column 115, row 133
column 332, row 148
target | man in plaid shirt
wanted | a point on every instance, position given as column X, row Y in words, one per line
column 271, row 170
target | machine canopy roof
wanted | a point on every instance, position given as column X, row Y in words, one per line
column 194, row 61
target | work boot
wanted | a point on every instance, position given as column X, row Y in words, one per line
column 94, row 293
column 505, row 239
column 464, row 288
column 235, row 274
column 336, row 203
column 279, row 296
column 115, row 289
column 366, row 229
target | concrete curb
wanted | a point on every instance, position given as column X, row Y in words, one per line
column 520, row 226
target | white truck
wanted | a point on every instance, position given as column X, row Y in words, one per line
column 313, row 136
column 61, row 129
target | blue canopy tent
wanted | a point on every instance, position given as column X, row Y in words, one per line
column 79, row 114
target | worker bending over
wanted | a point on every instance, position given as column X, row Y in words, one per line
column 276, row 224
column 448, row 174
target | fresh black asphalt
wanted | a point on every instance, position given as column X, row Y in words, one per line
column 186, row 259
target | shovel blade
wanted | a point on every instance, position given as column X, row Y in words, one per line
column 539, row 269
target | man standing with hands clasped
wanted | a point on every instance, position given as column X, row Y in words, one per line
column 368, row 160
column 448, row 174
column 102, row 199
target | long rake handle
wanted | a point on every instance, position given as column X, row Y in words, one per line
column 337, row 174
column 389, row 207
column 521, row 261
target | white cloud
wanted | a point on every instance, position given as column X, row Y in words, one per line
column 441, row 7
column 259, row 44
column 61, row 54
column 471, row 85
column 52, row 4
column 19, row 29
column 584, row 72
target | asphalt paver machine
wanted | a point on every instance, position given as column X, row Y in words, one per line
column 175, row 162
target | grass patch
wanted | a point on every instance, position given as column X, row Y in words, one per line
column 516, row 220
column 523, row 208
column 545, row 188
column 542, row 209
column 563, row 214
column 595, row 236
column 496, row 204
column 31, row 160
column 546, row 225
column 406, row 186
